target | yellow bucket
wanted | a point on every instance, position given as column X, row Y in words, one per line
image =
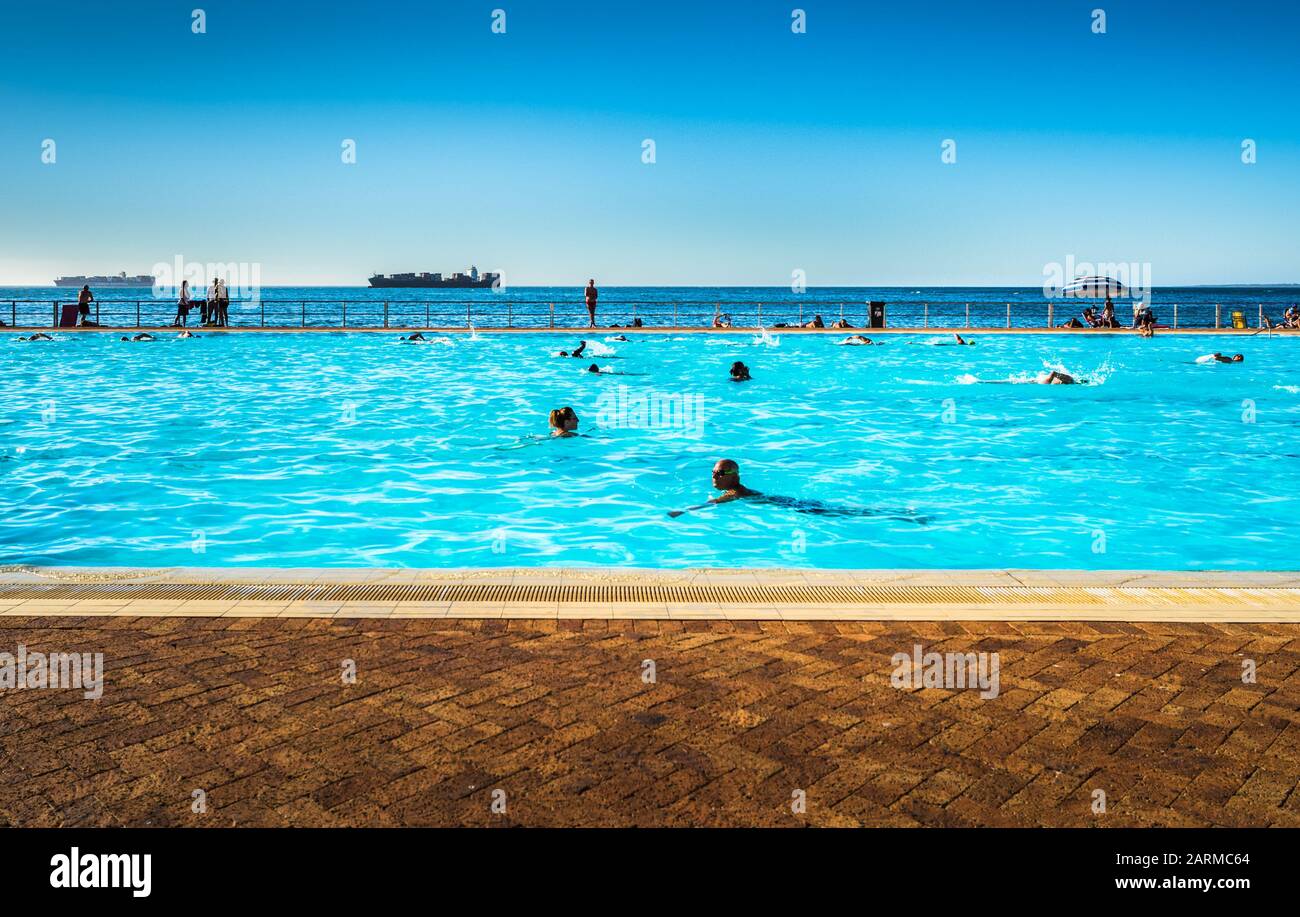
column 1239, row 319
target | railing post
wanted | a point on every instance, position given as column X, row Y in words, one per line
column 426, row 316
column 1051, row 320
column 385, row 313
column 137, row 313
column 1008, row 316
column 633, row 313
column 674, row 315
column 261, row 322
column 801, row 315
column 303, row 306
column 925, row 316
column 54, row 311
column 510, row 315
column 13, row 320
column 345, row 314
column 1175, row 315
column 1217, row 316
column 967, row 315
column 760, row 315
column 1261, row 316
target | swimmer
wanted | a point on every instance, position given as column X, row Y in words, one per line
column 618, row 337
column 726, row 478
column 1217, row 357
column 143, row 337
column 414, row 338
column 582, row 345
column 564, row 422
column 597, row 371
column 739, row 372
column 38, row 336
column 1056, row 377
column 958, row 339
column 184, row 335
column 855, row 340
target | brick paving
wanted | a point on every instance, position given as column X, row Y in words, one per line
column 556, row 714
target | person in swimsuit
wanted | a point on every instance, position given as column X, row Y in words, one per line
column 1220, row 358
column 726, row 478
column 38, row 336
column 855, row 340
column 413, row 338
column 143, row 337
column 84, row 299
column 582, row 345
column 1055, row 377
column 739, row 372
column 564, row 422
column 590, row 295
column 182, row 306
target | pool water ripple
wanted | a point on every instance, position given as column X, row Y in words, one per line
column 354, row 449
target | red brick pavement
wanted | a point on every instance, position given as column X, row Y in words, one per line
column 255, row 713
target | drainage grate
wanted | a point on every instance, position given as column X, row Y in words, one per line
column 661, row 594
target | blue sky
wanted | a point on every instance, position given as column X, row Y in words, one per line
column 775, row 151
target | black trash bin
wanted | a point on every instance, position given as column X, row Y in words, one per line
column 877, row 313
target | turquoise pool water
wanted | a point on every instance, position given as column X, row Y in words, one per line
column 355, row 449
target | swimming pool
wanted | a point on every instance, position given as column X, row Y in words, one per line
column 352, row 449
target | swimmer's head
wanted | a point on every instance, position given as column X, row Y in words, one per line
column 726, row 475
column 593, row 368
column 564, row 419
column 1237, row 358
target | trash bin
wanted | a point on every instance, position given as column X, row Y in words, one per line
column 1238, row 319
column 877, row 314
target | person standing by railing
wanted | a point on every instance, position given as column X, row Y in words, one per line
column 223, row 304
column 182, row 306
column 590, row 294
column 210, row 304
column 84, row 299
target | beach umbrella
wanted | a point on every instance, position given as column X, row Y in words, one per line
column 1095, row 287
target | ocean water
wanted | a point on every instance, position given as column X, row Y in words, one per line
column 663, row 306
column 355, row 449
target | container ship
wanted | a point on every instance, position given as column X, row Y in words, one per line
column 457, row 280
column 120, row 280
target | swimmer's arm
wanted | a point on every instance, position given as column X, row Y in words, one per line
column 674, row 513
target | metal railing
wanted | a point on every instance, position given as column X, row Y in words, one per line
column 537, row 314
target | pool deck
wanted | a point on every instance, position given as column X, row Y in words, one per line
column 767, row 684
column 663, row 329
column 600, row 593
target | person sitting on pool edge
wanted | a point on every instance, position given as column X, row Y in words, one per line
column 739, row 372
column 564, row 422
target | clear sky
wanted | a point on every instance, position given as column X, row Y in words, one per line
column 775, row 151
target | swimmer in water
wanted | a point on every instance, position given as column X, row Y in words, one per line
column 582, row 345
column 38, row 336
column 726, row 478
column 1217, row 357
column 417, row 336
column 143, row 337
column 855, row 340
column 186, row 334
column 958, row 339
column 739, row 372
column 1055, row 377
column 618, row 337
column 564, row 422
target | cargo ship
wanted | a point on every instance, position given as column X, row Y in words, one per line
column 121, row 280
column 457, row 280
